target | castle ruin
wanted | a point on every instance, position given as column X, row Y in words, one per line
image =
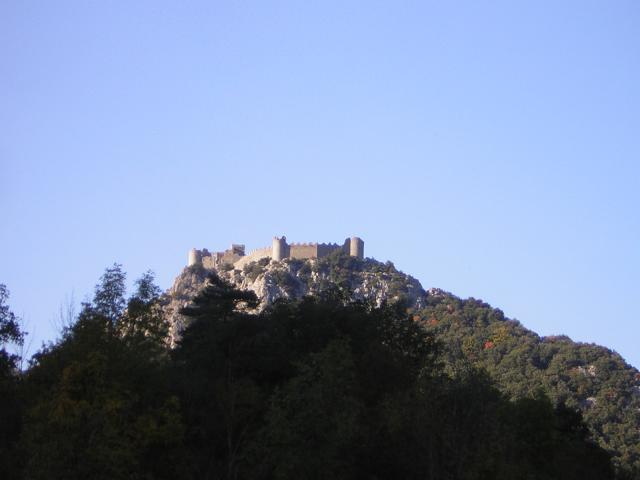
column 279, row 250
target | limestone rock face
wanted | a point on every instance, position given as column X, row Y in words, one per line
column 185, row 287
column 358, row 279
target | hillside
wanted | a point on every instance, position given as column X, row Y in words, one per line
column 292, row 279
column 587, row 377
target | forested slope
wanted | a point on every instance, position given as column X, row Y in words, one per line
column 349, row 370
column 583, row 376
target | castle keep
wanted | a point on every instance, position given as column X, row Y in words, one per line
column 279, row 250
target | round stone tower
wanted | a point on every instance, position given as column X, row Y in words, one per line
column 195, row 257
column 356, row 247
column 278, row 248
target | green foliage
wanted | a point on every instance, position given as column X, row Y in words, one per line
column 295, row 264
column 146, row 290
column 9, row 327
column 305, row 271
column 343, row 271
column 99, row 403
column 340, row 268
column 319, row 388
column 109, row 298
column 580, row 376
column 312, row 423
column 11, row 410
column 143, row 324
column 226, row 267
column 284, row 279
column 254, row 269
column 212, row 360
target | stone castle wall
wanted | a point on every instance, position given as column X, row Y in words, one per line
column 253, row 256
column 303, row 250
column 279, row 250
column 207, row 262
column 325, row 249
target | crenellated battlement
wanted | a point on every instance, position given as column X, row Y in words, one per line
column 279, row 250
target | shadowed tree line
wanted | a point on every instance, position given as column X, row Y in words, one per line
column 319, row 388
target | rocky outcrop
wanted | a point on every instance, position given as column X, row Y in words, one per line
column 358, row 279
column 184, row 288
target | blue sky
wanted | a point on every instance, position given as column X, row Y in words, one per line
column 488, row 148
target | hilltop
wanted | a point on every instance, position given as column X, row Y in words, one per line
column 345, row 367
column 292, row 279
column 587, row 377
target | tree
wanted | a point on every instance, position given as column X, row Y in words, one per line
column 99, row 401
column 146, row 289
column 314, row 422
column 109, row 298
column 324, row 387
column 9, row 325
column 10, row 404
column 143, row 322
column 215, row 365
